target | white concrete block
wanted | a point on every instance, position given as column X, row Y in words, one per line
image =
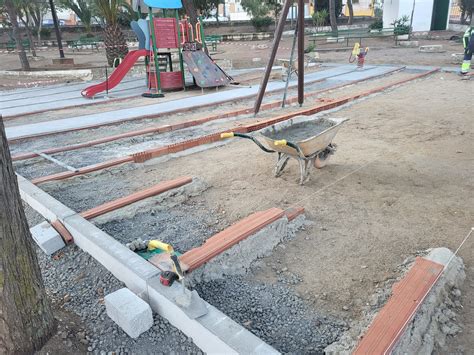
column 47, row 238
column 129, row 311
column 409, row 44
column 432, row 48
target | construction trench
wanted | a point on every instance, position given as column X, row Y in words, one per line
column 259, row 280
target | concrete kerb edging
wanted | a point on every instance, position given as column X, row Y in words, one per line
column 213, row 332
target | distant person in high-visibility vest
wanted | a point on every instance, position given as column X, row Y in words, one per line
column 468, row 42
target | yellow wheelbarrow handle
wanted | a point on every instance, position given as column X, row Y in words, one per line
column 227, row 135
column 280, row 142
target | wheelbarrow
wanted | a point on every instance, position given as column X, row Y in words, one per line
column 308, row 139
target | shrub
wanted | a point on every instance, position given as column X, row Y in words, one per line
column 320, row 18
column 401, row 26
column 324, row 5
column 376, row 25
column 45, row 33
column 311, row 47
column 261, row 23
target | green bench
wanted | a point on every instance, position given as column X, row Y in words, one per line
column 84, row 42
column 213, row 40
column 11, row 45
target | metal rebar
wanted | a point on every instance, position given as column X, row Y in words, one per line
column 290, row 66
column 56, row 161
column 276, row 42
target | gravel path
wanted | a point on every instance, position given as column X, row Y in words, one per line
column 185, row 226
column 79, row 283
column 274, row 313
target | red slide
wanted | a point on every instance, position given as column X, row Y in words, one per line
column 117, row 75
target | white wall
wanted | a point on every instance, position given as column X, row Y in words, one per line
column 422, row 15
column 390, row 12
column 394, row 9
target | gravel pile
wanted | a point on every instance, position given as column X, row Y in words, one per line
column 185, row 226
column 273, row 313
column 79, row 283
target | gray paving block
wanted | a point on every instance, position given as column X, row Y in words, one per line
column 47, row 238
column 129, row 311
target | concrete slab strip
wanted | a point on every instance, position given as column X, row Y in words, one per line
column 141, row 157
column 67, row 124
column 166, row 128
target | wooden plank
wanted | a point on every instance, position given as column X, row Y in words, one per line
column 127, row 200
column 224, row 240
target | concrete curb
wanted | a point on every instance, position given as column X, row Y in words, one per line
column 213, row 333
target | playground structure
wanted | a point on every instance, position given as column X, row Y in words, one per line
column 163, row 37
column 359, row 55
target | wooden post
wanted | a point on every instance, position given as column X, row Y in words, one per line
column 300, row 24
column 276, row 42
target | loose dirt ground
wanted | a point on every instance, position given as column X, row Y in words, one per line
column 400, row 182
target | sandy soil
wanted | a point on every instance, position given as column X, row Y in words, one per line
column 400, row 182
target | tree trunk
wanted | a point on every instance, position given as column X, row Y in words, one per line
column 39, row 25
column 26, row 318
column 351, row 12
column 28, row 33
column 191, row 12
column 12, row 14
column 332, row 15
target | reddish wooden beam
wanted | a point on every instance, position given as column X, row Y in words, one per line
column 173, row 127
column 177, row 147
column 224, row 240
column 127, row 200
column 293, row 212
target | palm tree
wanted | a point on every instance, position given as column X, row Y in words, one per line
column 114, row 40
column 82, row 9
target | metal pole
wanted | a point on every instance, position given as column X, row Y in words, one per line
column 300, row 26
column 106, row 81
column 290, row 66
column 180, row 49
column 155, row 51
column 56, row 28
column 276, row 42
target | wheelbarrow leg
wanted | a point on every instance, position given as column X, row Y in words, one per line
column 281, row 163
column 305, row 167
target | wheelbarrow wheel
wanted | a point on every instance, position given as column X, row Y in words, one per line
column 320, row 162
column 322, row 158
